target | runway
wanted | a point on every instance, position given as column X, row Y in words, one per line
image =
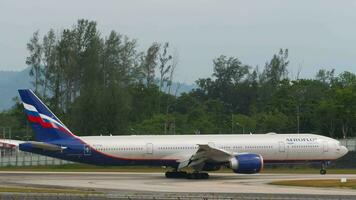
column 115, row 183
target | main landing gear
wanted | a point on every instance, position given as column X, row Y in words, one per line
column 324, row 164
column 176, row 174
column 180, row 174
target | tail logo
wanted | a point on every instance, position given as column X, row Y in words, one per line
column 45, row 121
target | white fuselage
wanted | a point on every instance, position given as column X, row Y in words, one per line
column 272, row 147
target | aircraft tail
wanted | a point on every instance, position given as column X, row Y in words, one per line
column 46, row 125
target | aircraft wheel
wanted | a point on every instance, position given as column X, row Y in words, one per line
column 181, row 174
column 197, row 175
column 192, row 176
column 169, row 175
column 324, row 164
column 322, row 171
column 176, row 174
column 205, row 175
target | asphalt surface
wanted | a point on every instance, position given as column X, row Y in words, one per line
column 145, row 185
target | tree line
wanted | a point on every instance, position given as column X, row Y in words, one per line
column 106, row 85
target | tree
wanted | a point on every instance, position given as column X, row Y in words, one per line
column 273, row 73
column 49, row 59
column 326, row 116
column 164, row 69
column 325, row 76
column 276, row 69
column 88, row 104
column 105, row 85
column 229, row 70
column 229, row 76
column 34, row 60
column 272, row 122
column 149, row 64
column 115, row 100
column 244, row 123
column 346, row 106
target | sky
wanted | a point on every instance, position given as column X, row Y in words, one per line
column 318, row 33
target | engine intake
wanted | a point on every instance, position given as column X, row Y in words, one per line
column 246, row 163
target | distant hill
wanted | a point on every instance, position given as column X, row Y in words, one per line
column 11, row 81
column 179, row 88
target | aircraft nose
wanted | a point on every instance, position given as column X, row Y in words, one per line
column 344, row 150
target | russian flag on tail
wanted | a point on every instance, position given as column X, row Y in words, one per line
column 46, row 125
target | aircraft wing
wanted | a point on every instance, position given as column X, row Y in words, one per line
column 205, row 154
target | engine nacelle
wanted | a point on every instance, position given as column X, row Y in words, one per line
column 246, row 163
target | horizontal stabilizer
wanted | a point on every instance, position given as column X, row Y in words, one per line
column 45, row 146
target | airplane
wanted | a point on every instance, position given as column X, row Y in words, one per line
column 187, row 156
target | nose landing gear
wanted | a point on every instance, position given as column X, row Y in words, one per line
column 322, row 171
column 324, row 165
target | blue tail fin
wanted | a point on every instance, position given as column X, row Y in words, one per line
column 45, row 124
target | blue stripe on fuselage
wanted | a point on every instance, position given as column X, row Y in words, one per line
column 75, row 153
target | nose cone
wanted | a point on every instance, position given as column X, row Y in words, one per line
column 344, row 150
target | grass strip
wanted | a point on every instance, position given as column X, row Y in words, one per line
column 325, row 183
column 46, row 190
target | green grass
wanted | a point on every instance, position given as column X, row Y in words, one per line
column 334, row 183
column 46, row 190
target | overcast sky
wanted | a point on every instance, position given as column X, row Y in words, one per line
column 318, row 34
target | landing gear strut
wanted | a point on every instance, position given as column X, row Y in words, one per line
column 180, row 174
column 324, row 164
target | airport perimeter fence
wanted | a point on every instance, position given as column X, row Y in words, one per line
column 19, row 159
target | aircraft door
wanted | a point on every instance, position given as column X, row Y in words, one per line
column 149, row 148
column 282, row 151
column 282, row 147
column 325, row 146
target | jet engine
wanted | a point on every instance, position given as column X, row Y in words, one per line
column 246, row 163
